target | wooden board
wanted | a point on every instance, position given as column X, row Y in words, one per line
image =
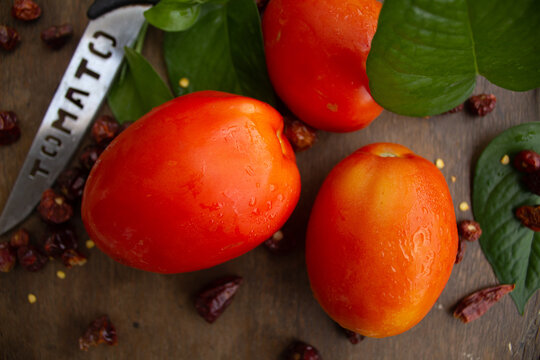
column 275, row 305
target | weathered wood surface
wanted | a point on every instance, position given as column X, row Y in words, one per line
column 275, row 304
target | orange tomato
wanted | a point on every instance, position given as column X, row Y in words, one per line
column 197, row 181
column 316, row 54
column 382, row 240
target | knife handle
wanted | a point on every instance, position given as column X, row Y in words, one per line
column 100, row 7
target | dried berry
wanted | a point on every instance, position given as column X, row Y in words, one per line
column 7, row 257
column 527, row 161
column 215, row 298
column 9, row 37
column 26, row 10
column 469, row 230
column 299, row 350
column 455, row 110
column 9, row 128
column 461, row 251
column 532, row 182
column 57, row 36
column 71, row 183
column 19, row 238
column 58, row 240
column 300, row 135
column 476, row 304
column 279, row 244
column 89, row 156
column 54, row 207
column 100, row 331
column 31, row 258
column 105, row 129
column 353, row 337
column 72, row 257
column 529, row 216
column 482, row 104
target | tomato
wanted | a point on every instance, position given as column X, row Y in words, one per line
column 382, row 240
column 316, row 55
column 197, row 181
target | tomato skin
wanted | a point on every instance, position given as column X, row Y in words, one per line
column 316, row 55
column 197, row 181
column 381, row 241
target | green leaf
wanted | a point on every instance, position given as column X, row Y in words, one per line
column 174, row 15
column 222, row 51
column 138, row 90
column 512, row 249
column 426, row 54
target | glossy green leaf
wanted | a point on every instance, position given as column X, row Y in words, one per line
column 426, row 54
column 174, row 15
column 222, row 51
column 512, row 249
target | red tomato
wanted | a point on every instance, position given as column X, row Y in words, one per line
column 382, row 240
column 197, row 181
column 316, row 54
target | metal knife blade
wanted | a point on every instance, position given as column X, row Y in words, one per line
column 77, row 99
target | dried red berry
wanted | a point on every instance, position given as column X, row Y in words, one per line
column 100, row 331
column 9, row 37
column 215, row 298
column 72, row 257
column 299, row 350
column 532, row 182
column 529, row 216
column 353, row 337
column 105, row 129
column 300, row 135
column 26, row 10
column 58, row 240
column 476, row 304
column 527, row 161
column 9, row 128
column 31, row 258
column 71, row 183
column 461, row 251
column 89, row 156
column 54, row 207
column 279, row 244
column 7, row 257
column 469, row 230
column 19, row 238
column 57, row 36
column 455, row 110
column 482, row 104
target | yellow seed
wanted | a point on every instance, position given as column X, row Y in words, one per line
column 464, row 206
column 505, row 160
column 61, row 274
column 184, row 82
column 453, row 178
column 439, row 163
column 32, row 298
column 278, row 235
column 90, row 244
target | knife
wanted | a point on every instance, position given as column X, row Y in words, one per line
column 99, row 54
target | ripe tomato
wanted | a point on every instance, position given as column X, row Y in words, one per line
column 382, row 240
column 316, row 54
column 197, row 181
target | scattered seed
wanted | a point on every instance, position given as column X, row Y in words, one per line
column 60, row 274
column 510, row 347
column 505, row 160
column 439, row 163
column 32, row 298
column 90, row 244
column 463, row 206
column 453, row 178
column 184, row 82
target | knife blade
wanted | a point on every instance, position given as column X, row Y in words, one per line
column 78, row 98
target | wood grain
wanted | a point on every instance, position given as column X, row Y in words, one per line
column 275, row 305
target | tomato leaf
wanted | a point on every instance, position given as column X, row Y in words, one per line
column 174, row 15
column 426, row 54
column 222, row 51
column 512, row 249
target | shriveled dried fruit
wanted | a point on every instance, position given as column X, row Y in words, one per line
column 279, row 243
column 7, row 257
column 19, row 238
column 31, row 258
column 461, row 251
column 72, row 257
column 300, row 135
column 353, row 337
column 299, row 350
column 482, row 104
column 54, row 207
column 469, row 230
column 9, row 128
column 527, row 161
column 71, row 183
column 456, row 109
column 105, row 129
column 59, row 239
column 532, row 182
column 476, row 304
column 100, row 331
column 9, row 37
column 212, row 301
column 26, row 10
column 89, row 156
column 57, row 36
column 529, row 216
